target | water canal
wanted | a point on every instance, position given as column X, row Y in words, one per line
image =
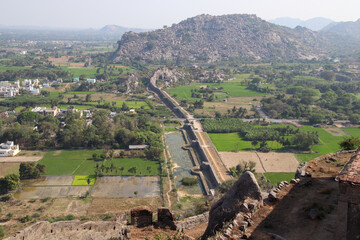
column 182, row 162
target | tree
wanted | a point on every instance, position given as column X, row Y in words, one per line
column 88, row 98
column 303, row 140
column 355, row 118
column 29, row 170
column 94, row 156
column 28, row 117
column 316, row 118
column 124, row 107
column 349, row 143
column 8, row 183
column 327, row 75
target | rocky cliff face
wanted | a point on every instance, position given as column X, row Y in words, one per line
column 243, row 198
column 208, row 38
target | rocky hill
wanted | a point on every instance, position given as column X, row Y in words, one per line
column 344, row 28
column 207, row 38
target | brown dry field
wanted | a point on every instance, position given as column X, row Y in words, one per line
column 270, row 162
column 279, row 162
column 20, row 159
column 96, row 97
column 115, row 205
column 64, row 61
column 93, row 210
column 231, row 159
column 222, row 107
column 8, row 168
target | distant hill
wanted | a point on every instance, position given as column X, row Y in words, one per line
column 118, row 30
column 314, row 24
column 344, row 28
column 207, row 38
column 108, row 32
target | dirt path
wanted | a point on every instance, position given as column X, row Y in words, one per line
column 165, row 151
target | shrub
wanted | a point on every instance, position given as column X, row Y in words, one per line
column 189, row 181
column 35, row 215
column 69, row 217
column 109, row 216
column 2, row 231
column 25, row 219
column 5, row 198
column 46, row 199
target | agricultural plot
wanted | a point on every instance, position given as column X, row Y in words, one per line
column 225, row 142
column 225, row 89
column 88, row 72
column 83, row 180
column 328, row 143
column 65, row 106
column 80, row 162
column 265, row 162
column 8, row 168
column 126, row 186
column 130, row 104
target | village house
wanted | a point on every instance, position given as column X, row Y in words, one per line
column 44, row 111
column 8, row 149
column 91, row 80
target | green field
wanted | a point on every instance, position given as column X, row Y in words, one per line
column 229, row 88
column 80, row 180
column 88, row 72
column 328, row 143
column 5, row 68
column 65, row 106
column 119, row 103
column 81, row 92
column 276, row 177
column 227, row 142
column 80, row 162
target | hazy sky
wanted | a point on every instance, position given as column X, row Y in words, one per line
column 156, row 13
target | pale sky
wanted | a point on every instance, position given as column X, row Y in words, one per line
column 157, row 13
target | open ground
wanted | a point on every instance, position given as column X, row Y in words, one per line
column 265, row 162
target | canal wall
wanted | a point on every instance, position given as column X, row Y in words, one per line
column 205, row 164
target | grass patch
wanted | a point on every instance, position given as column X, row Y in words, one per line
column 80, row 180
column 119, row 103
column 227, row 142
column 276, row 177
column 65, row 106
column 80, row 162
column 229, row 88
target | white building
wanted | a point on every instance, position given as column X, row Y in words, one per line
column 91, row 80
column 8, row 149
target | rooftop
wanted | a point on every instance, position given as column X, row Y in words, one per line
column 351, row 171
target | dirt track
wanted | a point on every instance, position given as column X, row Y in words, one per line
column 20, row 159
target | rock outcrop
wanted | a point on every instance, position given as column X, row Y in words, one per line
column 207, row 38
column 239, row 202
column 73, row 230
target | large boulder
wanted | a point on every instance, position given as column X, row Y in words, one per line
column 226, row 209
